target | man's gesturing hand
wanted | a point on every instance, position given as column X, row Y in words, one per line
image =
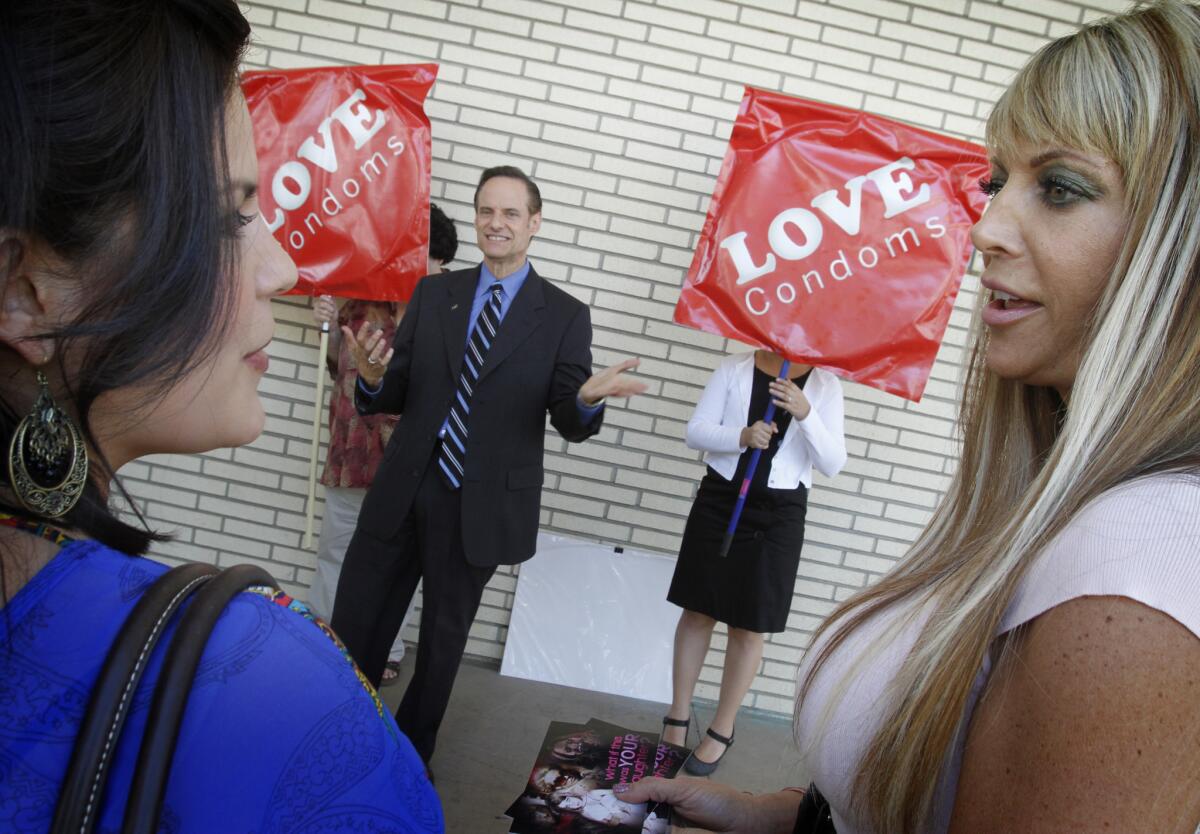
column 611, row 382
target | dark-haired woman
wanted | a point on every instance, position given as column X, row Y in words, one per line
column 136, row 278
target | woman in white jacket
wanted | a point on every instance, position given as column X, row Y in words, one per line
column 750, row 589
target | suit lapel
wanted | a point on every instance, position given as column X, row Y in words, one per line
column 456, row 315
column 522, row 318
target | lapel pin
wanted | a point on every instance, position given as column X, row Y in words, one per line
column 453, row 306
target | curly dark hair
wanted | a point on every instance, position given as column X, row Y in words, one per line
column 443, row 237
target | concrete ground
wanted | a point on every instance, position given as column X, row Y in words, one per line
column 495, row 725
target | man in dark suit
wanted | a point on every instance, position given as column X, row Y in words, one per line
column 479, row 358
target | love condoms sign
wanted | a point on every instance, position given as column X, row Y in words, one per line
column 344, row 158
column 836, row 238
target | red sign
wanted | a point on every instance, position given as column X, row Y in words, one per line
column 836, row 238
column 343, row 155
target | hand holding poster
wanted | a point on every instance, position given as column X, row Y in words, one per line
column 836, row 238
column 344, row 157
column 570, row 787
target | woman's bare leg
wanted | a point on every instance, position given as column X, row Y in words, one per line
column 743, row 654
column 692, row 636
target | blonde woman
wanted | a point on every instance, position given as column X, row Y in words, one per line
column 1033, row 665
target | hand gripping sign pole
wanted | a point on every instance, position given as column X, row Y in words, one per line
column 835, row 238
column 344, row 158
column 750, row 468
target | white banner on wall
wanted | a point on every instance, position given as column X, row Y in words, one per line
column 588, row 616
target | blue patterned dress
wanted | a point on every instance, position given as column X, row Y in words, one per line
column 281, row 734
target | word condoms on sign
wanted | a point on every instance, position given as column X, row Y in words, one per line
column 836, row 238
column 898, row 195
column 344, row 157
column 291, row 185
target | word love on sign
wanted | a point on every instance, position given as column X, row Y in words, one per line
column 344, row 157
column 836, row 238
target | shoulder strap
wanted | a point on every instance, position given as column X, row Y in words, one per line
column 171, row 693
column 87, row 773
column 87, row 770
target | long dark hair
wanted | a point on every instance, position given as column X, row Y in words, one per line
column 112, row 126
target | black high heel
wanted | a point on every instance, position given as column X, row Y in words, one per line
column 697, row 766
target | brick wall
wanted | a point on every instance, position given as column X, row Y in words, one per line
column 621, row 110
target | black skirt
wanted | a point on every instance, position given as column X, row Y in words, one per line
column 751, row 588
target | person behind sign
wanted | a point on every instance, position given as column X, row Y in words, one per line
column 356, row 442
column 136, row 276
column 480, row 358
column 1033, row 665
column 750, row 589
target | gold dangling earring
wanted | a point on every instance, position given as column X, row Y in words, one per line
column 47, row 459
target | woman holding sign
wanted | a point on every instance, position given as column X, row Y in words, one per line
column 137, row 279
column 1033, row 664
column 750, row 589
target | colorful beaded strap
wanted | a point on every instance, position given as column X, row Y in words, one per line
column 38, row 528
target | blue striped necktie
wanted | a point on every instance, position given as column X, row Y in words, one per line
column 454, row 440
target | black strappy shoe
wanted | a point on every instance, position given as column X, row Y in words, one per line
column 677, row 722
column 697, row 766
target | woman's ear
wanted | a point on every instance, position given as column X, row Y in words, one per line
column 31, row 298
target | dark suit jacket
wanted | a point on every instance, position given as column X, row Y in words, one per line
column 536, row 364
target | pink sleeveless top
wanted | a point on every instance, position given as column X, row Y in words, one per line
column 1140, row 540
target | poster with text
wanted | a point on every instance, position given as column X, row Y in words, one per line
column 570, row 787
column 344, row 157
column 836, row 238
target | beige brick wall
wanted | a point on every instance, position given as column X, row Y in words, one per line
column 621, row 110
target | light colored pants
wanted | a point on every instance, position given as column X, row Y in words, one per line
column 342, row 505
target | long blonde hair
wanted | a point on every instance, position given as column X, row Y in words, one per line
column 1127, row 88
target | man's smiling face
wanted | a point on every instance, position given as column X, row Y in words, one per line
column 503, row 224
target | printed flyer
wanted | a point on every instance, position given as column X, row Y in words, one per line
column 570, row 787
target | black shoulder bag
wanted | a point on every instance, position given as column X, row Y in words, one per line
column 813, row 816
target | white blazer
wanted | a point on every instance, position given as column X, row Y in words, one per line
column 817, row 440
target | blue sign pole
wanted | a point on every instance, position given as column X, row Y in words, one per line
column 754, row 456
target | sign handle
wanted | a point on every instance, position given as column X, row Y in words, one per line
column 750, row 467
column 318, row 407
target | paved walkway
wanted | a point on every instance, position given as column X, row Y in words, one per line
column 495, row 726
